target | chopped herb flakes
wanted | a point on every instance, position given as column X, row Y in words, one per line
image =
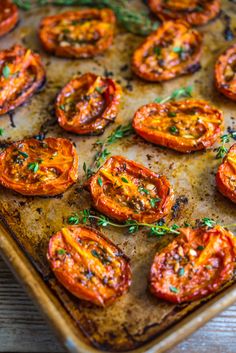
column 124, row 180
column 154, row 201
column 173, row 289
column 34, row 166
column 6, row 71
column 174, row 130
column 61, row 252
column 181, row 272
column 99, row 180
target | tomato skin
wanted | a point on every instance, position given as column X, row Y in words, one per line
column 86, row 255
column 39, row 168
column 107, row 104
column 9, row 16
column 186, row 10
column 123, row 190
column 154, row 121
column 95, row 37
column 226, row 175
column 194, row 265
column 157, row 60
column 26, row 76
column 226, row 63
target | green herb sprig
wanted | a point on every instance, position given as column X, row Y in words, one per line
column 222, row 150
column 132, row 20
column 184, row 92
column 155, row 229
column 1, row 131
column 101, row 155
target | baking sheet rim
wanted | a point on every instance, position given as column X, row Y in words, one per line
column 58, row 318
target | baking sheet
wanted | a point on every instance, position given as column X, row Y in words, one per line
column 137, row 317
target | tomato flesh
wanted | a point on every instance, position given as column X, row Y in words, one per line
column 9, row 16
column 87, row 104
column 123, row 189
column 195, row 264
column 195, row 12
column 21, row 75
column 91, row 267
column 43, row 168
column 78, row 34
column 225, row 73
column 226, row 175
column 184, row 126
column 172, row 50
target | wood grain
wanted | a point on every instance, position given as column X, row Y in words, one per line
column 22, row 328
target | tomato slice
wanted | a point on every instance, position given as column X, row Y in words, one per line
column 226, row 175
column 195, row 12
column 78, row 34
column 9, row 16
column 184, row 126
column 195, row 264
column 172, row 50
column 43, row 168
column 87, row 104
column 88, row 265
column 21, row 75
column 225, row 73
column 123, row 189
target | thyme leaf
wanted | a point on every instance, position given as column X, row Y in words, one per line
column 222, row 150
column 183, row 92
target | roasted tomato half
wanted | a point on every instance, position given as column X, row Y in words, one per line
column 197, row 263
column 184, row 126
column 195, row 12
column 78, row 34
column 225, row 73
column 88, row 265
column 226, row 175
column 9, row 16
column 173, row 49
column 123, row 189
column 21, row 75
column 87, row 104
column 43, row 168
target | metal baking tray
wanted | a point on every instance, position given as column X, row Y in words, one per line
column 137, row 321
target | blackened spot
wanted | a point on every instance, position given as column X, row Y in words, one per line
column 179, row 203
column 193, row 68
column 124, row 68
column 11, row 117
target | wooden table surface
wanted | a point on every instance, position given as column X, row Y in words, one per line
column 22, row 328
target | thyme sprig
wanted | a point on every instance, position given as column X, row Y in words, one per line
column 155, row 229
column 222, row 150
column 184, row 92
column 101, row 155
column 132, row 20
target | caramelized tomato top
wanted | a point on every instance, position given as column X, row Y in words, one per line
column 88, row 265
column 195, row 264
column 172, row 50
column 123, row 189
column 225, row 73
column 33, row 167
column 9, row 16
column 21, row 74
column 226, row 175
column 87, row 104
column 195, row 12
column 185, row 126
column 78, row 34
